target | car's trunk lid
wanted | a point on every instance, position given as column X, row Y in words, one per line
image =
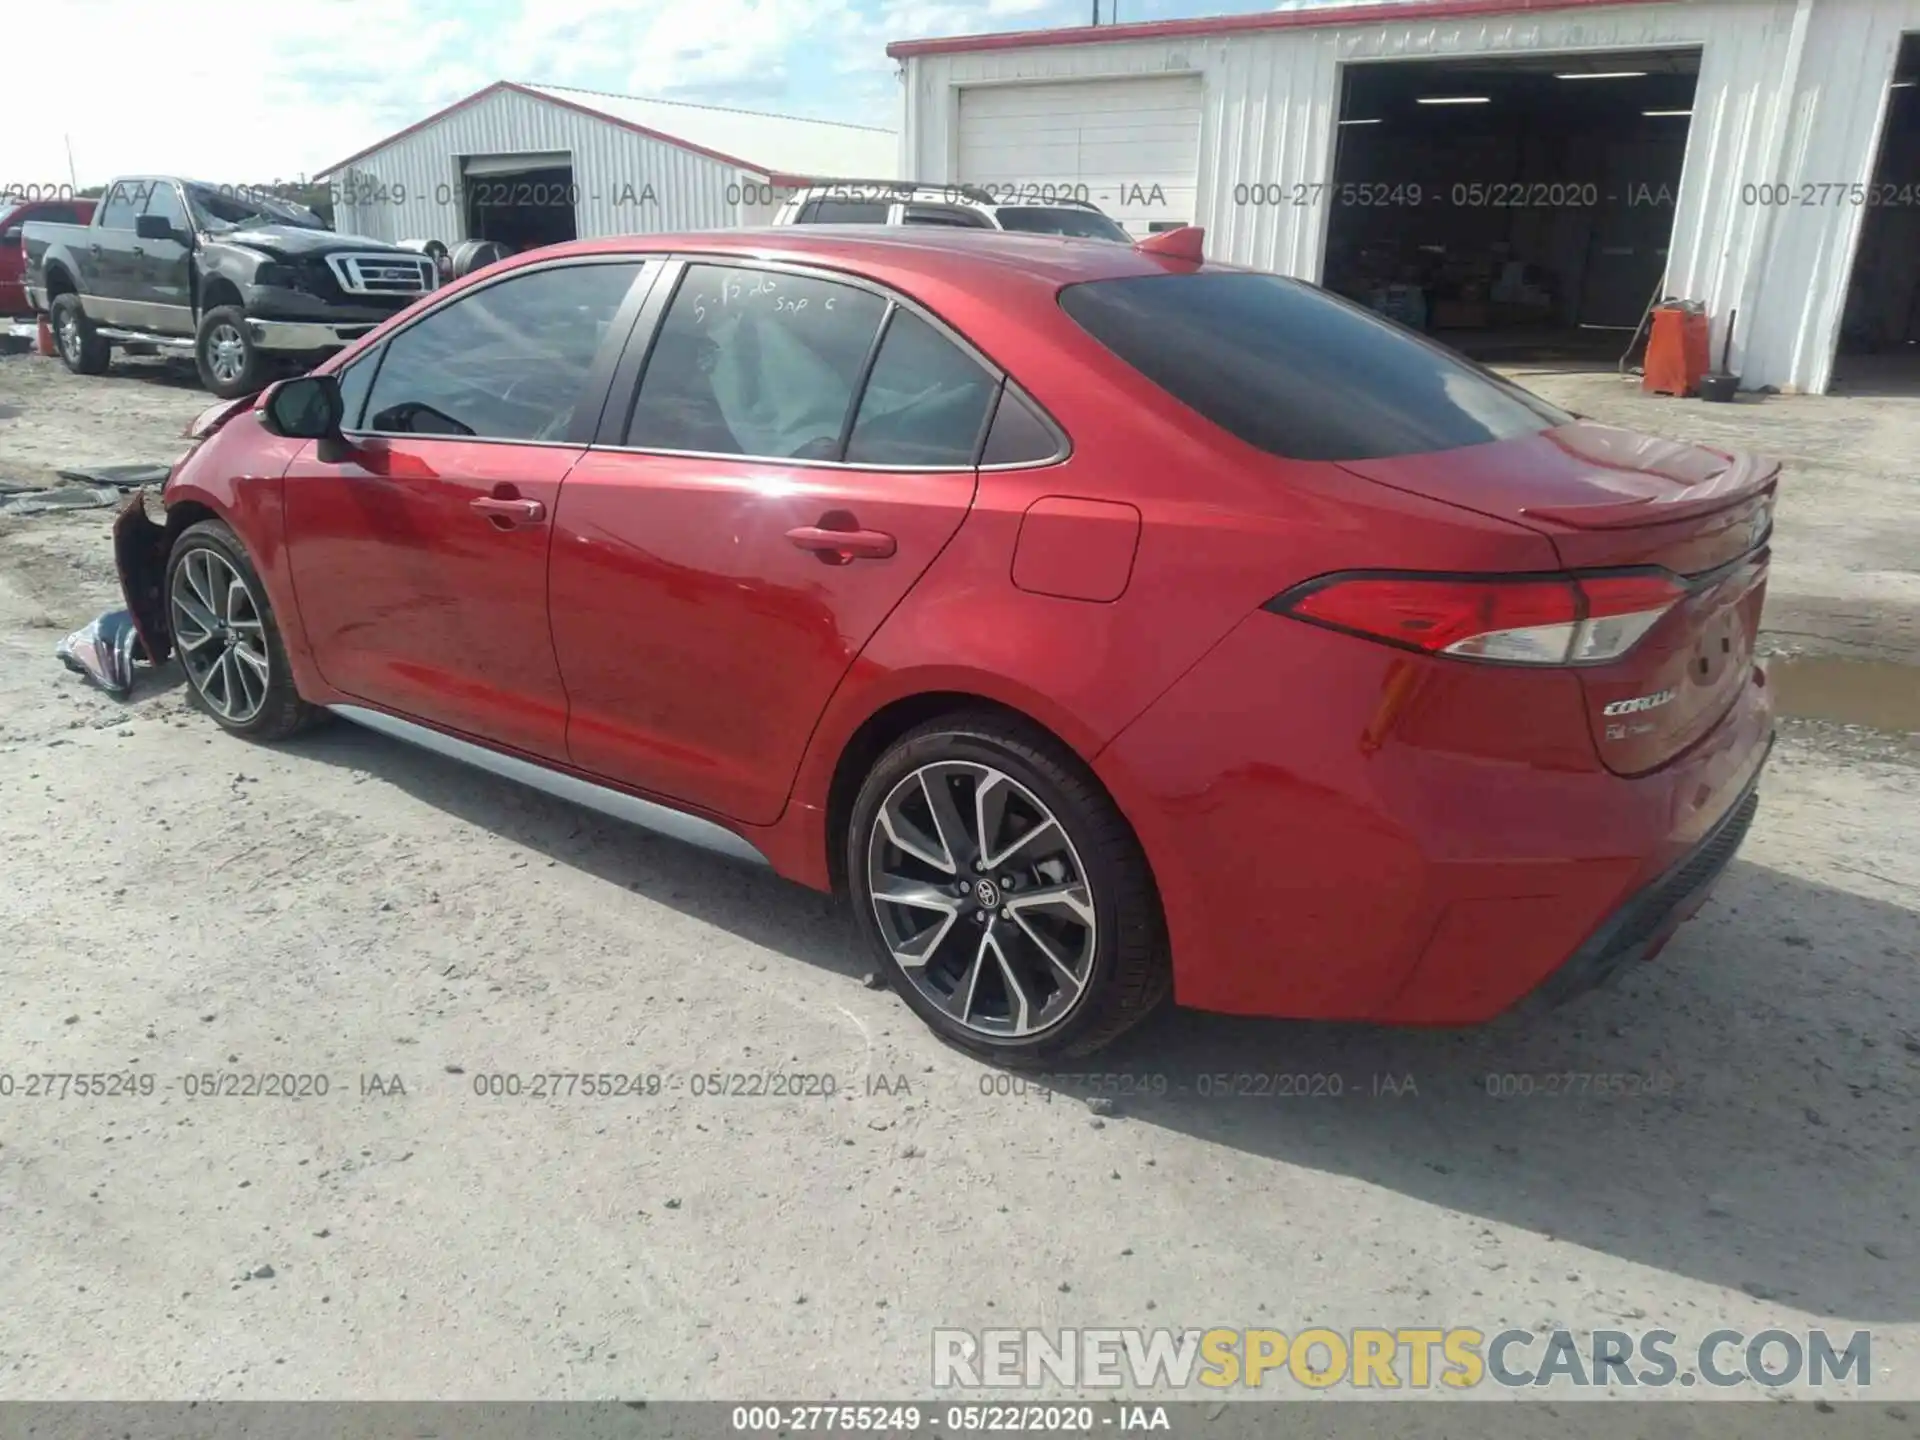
column 1610, row 499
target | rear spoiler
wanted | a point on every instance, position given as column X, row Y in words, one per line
column 1743, row 479
column 1189, row 242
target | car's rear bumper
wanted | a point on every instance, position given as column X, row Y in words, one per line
column 1639, row 928
column 1340, row 832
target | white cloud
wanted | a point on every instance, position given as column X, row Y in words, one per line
column 251, row 93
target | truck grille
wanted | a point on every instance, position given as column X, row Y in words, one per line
column 382, row 274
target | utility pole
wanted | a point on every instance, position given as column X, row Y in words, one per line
column 74, row 180
column 1096, row 12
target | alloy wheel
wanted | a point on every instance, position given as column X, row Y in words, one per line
column 982, row 899
column 226, row 353
column 219, row 629
column 70, row 337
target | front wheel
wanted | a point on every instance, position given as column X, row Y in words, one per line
column 224, row 353
column 225, row 635
column 1003, row 892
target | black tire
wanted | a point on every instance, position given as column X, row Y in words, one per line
column 1129, row 973
column 81, row 349
column 281, row 711
column 223, row 335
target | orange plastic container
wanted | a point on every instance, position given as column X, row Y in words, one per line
column 43, row 338
column 1676, row 351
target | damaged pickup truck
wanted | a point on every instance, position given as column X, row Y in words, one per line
column 253, row 285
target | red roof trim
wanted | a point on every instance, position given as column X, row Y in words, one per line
column 1235, row 24
column 533, row 94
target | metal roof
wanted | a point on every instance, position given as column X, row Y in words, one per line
column 1367, row 12
column 781, row 147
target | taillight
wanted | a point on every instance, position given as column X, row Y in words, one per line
column 1580, row 619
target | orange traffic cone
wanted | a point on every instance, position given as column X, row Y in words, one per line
column 43, row 338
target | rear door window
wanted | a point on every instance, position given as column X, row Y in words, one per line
column 925, row 403
column 1298, row 372
column 1061, row 220
column 844, row 212
column 755, row 363
column 950, row 215
column 122, row 204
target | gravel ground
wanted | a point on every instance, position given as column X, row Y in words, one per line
column 177, row 902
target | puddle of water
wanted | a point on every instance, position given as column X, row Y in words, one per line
column 1876, row 693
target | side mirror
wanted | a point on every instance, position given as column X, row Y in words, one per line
column 307, row 407
column 12, row 235
column 154, row 227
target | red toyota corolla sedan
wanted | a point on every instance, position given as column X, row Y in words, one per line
column 1100, row 621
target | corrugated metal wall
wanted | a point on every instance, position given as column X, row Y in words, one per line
column 1790, row 91
column 628, row 184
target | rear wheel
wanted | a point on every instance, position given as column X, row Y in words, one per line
column 1003, row 891
column 224, row 632
column 81, row 349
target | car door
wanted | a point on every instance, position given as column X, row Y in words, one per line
column 796, row 452
column 160, row 284
column 105, row 254
column 419, row 559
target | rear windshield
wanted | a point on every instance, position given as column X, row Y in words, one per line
column 1298, row 372
column 1060, row 220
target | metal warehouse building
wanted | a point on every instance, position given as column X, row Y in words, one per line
column 534, row 165
column 1520, row 177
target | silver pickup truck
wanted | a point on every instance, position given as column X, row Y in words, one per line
column 249, row 283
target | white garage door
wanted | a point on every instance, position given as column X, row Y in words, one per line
column 1134, row 144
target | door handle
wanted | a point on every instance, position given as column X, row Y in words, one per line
column 94, row 248
column 530, row 511
column 840, row 547
column 139, row 249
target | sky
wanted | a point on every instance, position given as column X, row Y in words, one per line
column 252, row 94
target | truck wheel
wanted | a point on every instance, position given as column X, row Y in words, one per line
column 83, row 351
column 229, row 364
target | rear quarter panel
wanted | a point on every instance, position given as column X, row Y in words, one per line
column 1224, row 528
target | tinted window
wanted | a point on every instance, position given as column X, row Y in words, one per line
column 925, row 401
column 165, row 201
column 844, row 212
column 121, row 206
column 1019, row 436
column 507, row 362
column 1298, row 372
column 58, row 214
column 944, row 215
column 1061, row 220
column 750, row 362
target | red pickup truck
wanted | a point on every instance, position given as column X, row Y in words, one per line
column 14, row 214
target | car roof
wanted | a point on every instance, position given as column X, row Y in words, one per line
column 899, row 255
column 942, row 192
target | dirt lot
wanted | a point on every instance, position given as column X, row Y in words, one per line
column 176, row 902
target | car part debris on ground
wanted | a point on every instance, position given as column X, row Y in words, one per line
column 104, row 650
column 59, row 497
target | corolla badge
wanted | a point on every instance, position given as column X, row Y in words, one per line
column 1639, row 703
